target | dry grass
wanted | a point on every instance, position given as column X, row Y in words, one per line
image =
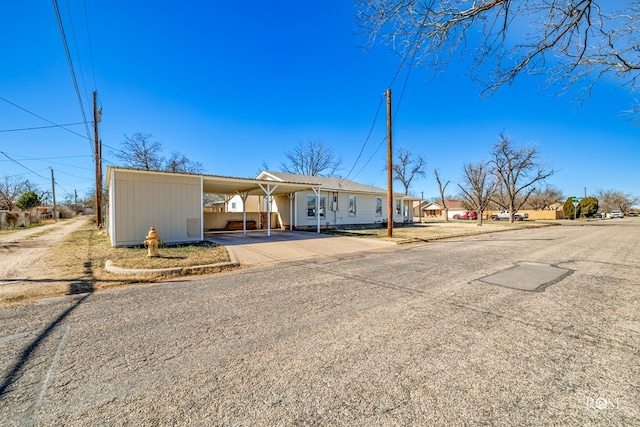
column 77, row 265
column 94, row 247
column 436, row 230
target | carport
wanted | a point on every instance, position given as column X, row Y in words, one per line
column 245, row 187
column 173, row 202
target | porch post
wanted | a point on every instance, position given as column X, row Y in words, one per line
column 244, row 196
column 268, row 191
column 316, row 190
column 291, row 195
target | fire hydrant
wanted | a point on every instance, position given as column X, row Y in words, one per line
column 152, row 242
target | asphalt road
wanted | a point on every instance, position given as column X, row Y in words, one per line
column 412, row 336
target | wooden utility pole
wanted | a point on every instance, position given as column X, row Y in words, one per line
column 98, row 157
column 389, row 169
column 53, row 190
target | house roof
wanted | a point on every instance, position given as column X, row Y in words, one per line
column 451, row 204
column 216, row 184
column 286, row 183
column 330, row 183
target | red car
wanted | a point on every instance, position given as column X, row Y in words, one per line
column 466, row 215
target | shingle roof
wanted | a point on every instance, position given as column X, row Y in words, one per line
column 337, row 184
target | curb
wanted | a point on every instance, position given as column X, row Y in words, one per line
column 111, row 268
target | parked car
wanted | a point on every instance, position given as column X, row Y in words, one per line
column 597, row 215
column 633, row 213
column 517, row 216
column 466, row 215
column 616, row 214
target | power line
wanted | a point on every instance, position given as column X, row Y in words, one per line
column 21, row 165
column 50, row 158
column 40, row 127
column 86, row 20
column 375, row 118
column 404, row 87
column 71, row 69
column 42, row 118
column 75, row 42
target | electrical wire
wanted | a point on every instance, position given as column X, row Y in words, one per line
column 46, row 120
column 86, row 20
column 40, row 127
column 21, row 165
column 75, row 42
column 71, row 69
column 49, row 158
column 375, row 118
column 402, row 92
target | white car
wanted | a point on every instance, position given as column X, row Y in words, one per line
column 616, row 214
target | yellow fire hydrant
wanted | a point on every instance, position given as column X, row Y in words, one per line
column 152, row 242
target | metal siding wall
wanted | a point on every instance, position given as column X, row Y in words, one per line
column 163, row 201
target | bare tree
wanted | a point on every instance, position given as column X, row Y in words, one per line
column 443, row 199
column 610, row 200
column 139, row 151
column 210, row 200
column 517, row 170
column 312, row 158
column 407, row 167
column 11, row 188
column 544, row 198
column 179, row 163
column 578, row 41
column 478, row 187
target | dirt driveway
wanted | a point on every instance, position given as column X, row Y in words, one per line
column 22, row 253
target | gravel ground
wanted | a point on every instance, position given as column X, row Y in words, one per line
column 406, row 337
column 21, row 252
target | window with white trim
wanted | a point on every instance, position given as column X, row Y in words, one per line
column 352, row 205
column 398, row 206
column 311, row 206
column 378, row 206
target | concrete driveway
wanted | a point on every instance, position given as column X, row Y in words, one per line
column 256, row 248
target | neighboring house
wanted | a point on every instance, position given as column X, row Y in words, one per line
column 436, row 210
column 173, row 203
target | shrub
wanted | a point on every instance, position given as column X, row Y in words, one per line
column 588, row 206
column 28, row 200
column 569, row 210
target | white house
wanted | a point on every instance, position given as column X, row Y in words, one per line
column 337, row 201
column 173, row 204
column 436, row 209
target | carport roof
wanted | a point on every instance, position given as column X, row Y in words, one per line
column 217, row 184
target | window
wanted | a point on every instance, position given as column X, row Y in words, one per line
column 398, row 206
column 378, row 206
column 311, row 206
column 233, row 205
column 352, row 205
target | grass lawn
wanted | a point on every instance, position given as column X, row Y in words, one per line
column 435, row 230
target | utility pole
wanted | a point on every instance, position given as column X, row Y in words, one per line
column 97, row 114
column 53, row 190
column 389, row 168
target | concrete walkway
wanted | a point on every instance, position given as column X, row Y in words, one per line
column 256, row 248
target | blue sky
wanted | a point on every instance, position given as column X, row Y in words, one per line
column 236, row 85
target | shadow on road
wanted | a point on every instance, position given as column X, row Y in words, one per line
column 75, row 287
